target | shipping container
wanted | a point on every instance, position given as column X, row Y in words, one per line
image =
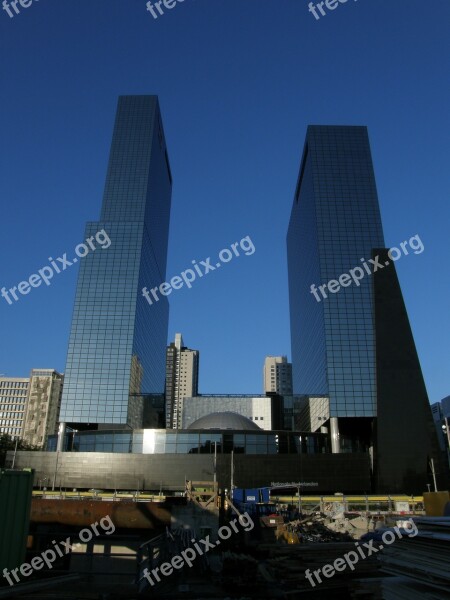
column 15, row 504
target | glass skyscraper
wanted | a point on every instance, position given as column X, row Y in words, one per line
column 353, row 352
column 117, row 341
column 335, row 222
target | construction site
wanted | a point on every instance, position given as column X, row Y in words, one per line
column 204, row 542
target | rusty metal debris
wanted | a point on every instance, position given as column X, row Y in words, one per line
column 131, row 515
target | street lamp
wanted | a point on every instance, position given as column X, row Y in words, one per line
column 60, row 434
column 15, row 453
column 56, row 470
column 215, row 464
column 446, row 428
column 75, row 431
column 301, row 475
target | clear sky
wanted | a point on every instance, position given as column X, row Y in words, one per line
column 238, row 82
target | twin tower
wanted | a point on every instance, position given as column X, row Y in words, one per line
column 354, row 348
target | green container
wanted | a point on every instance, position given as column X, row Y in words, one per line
column 15, row 505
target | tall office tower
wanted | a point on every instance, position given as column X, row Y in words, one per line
column 117, row 340
column 335, row 225
column 181, row 380
column 335, row 221
column 13, row 401
column 43, row 406
column 277, row 374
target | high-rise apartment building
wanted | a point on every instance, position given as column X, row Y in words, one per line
column 43, row 406
column 117, row 343
column 13, row 401
column 181, row 380
column 347, row 348
column 277, row 375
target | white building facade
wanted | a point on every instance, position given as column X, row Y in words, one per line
column 13, row 401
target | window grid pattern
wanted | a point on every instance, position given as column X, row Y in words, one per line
column 335, row 223
column 13, row 402
column 117, row 340
column 154, row 441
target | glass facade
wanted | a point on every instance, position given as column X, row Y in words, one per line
column 335, row 222
column 117, row 341
column 160, row 441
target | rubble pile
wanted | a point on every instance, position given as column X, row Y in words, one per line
column 317, row 531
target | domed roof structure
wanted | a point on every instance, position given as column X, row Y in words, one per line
column 224, row 420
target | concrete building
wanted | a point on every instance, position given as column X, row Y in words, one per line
column 264, row 411
column 324, row 473
column 154, row 459
column 277, row 375
column 13, row 400
column 181, row 379
column 314, row 414
column 43, row 405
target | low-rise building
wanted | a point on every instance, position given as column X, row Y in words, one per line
column 264, row 411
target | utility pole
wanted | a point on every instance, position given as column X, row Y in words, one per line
column 232, row 474
column 56, row 470
column 434, row 474
column 59, row 445
column 15, row 452
column 75, row 431
column 215, row 462
column 447, row 428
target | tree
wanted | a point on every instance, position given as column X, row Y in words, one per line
column 7, row 443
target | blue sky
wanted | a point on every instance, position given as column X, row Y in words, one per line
column 238, row 81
